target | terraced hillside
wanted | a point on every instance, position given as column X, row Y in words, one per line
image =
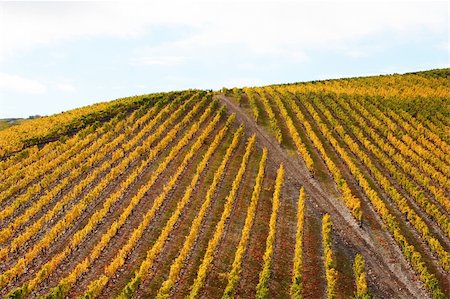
column 327, row 189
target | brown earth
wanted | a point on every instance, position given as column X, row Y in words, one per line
column 394, row 276
column 389, row 274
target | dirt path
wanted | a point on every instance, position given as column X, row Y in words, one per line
column 394, row 277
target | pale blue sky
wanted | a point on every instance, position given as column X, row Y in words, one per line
column 58, row 56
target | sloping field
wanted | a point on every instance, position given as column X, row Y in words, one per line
column 327, row 189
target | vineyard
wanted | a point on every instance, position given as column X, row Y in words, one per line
column 326, row 189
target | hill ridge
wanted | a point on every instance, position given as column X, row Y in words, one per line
column 149, row 196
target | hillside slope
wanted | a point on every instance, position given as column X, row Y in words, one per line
column 334, row 189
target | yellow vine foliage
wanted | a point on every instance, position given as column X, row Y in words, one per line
column 177, row 264
column 413, row 256
column 362, row 292
column 76, row 210
column 384, row 182
column 296, row 286
column 262, row 289
column 96, row 286
column 220, row 227
column 252, row 102
column 236, row 268
column 351, row 201
column 330, row 271
column 272, row 118
column 303, row 151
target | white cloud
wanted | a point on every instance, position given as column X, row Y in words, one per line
column 66, row 87
column 292, row 29
column 275, row 27
column 208, row 44
column 357, row 53
column 20, row 84
column 158, row 60
column 402, row 69
column 236, row 82
column 444, row 46
column 211, row 83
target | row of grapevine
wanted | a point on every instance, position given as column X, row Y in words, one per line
column 330, row 268
column 59, row 152
column 236, row 268
column 440, row 165
column 96, row 286
column 296, row 286
column 405, row 146
column 77, row 210
column 178, row 263
column 23, row 158
column 437, row 128
column 442, row 120
column 67, row 161
column 262, row 289
column 220, row 227
column 438, row 120
column 15, row 168
column 401, row 177
column 411, row 254
column 45, row 184
column 426, row 168
column 351, row 201
column 44, row 129
column 303, row 151
column 48, row 196
column 119, row 153
column 362, row 292
column 252, row 102
column 385, row 183
column 420, row 129
column 408, row 86
column 437, row 123
column 435, row 153
column 237, row 95
column 437, row 173
column 396, row 123
column 272, row 119
column 168, row 115
column 438, row 193
column 372, row 89
column 51, row 162
column 76, row 167
column 37, row 160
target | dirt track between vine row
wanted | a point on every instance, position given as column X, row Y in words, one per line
column 385, row 265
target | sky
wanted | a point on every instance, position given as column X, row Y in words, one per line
column 56, row 56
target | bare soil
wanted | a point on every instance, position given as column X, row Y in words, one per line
column 97, row 266
column 217, row 279
column 189, row 272
column 388, row 273
column 394, row 278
